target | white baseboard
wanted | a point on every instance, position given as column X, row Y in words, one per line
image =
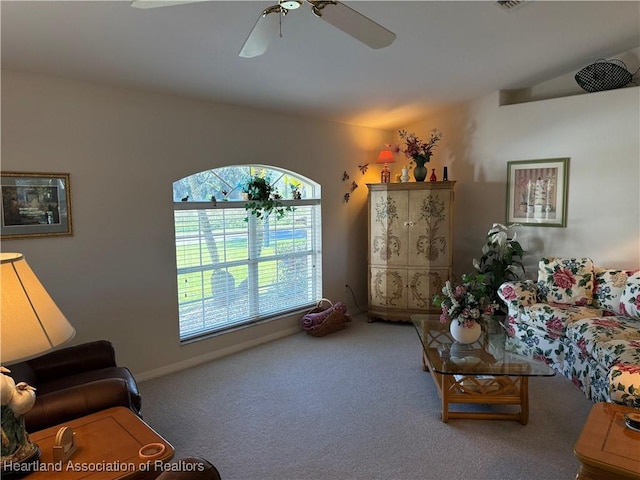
column 192, row 362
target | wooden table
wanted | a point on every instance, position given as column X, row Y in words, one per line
column 607, row 449
column 107, row 443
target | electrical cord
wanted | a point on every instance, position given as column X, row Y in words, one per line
column 348, row 287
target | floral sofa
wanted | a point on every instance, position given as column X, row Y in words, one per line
column 583, row 321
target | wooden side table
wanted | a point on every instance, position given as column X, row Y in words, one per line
column 107, row 443
column 607, row 449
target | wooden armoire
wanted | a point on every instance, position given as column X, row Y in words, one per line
column 410, row 247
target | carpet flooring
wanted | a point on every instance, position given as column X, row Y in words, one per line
column 354, row 405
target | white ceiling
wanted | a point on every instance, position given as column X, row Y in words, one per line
column 444, row 52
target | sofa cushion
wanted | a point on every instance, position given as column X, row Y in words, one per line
column 597, row 336
column 608, row 285
column 613, row 352
column 630, row 299
column 555, row 317
column 565, row 280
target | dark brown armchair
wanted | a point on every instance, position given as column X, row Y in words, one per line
column 76, row 381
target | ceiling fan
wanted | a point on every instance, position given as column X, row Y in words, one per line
column 269, row 22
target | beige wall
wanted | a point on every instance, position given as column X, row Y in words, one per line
column 115, row 277
column 599, row 132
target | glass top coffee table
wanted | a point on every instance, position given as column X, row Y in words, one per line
column 482, row 373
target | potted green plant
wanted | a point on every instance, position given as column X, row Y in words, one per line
column 257, row 188
column 501, row 260
column 262, row 200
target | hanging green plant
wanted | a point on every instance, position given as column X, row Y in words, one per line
column 262, row 200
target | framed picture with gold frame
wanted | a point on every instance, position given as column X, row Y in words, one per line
column 537, row 192
column 35, row 205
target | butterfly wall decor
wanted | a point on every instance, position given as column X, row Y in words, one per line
column 363, row 168
column 345, row 176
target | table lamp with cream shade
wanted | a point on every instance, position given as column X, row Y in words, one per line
column 30, row 324
column 386, row 157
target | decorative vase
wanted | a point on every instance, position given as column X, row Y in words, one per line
column 465, row 334
column 433, row 177
column 404, row 178
column 420, row 172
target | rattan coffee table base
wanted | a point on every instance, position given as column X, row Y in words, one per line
column 501, row 390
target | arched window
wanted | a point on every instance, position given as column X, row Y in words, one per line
column 234, row 268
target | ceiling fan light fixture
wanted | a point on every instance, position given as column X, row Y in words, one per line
column 290, row 4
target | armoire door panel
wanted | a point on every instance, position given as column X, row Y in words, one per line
column 423, row 285
column 430, row 236
column 388, row 287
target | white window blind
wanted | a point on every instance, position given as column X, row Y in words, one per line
column 234, row 269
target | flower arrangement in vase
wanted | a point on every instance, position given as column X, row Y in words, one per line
column 464, row 306
column 418, row 151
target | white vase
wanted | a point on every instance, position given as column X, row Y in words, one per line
column 404, row 178
column 463, row 334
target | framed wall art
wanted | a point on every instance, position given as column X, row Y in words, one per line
column 35, row 205
column 537, row 192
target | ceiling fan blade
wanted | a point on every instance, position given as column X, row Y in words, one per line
column 353, row 23
column 161, row 3
column 263, row 31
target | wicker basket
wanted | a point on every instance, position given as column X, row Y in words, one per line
column 332, row 323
